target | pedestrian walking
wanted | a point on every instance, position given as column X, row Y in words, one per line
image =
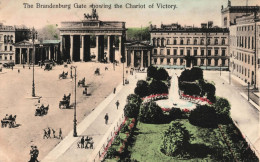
column 18, row 70
column 117, row 104
column 53, row 132
column 32, row 154
column 23, row 66
column 82, row 142
column 60, row 134
column 45, row 134
column 106, row 118
column 36, row 153
column 114, row 90
column 49, row 132
column 12, row 67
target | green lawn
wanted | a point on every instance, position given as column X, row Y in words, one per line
column 207, row 144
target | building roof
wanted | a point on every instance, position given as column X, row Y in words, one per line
column 138, row 45
column 51, row 41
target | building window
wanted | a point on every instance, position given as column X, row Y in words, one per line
column 202, row 52
column 5, row 48
column 162, row 42
column 168, row 41
column 154, row 42
column 202, row 41
column 168, row 52
column 223, row 62
column 161, row 60
column 161, row 52
column 248, row 42
column 209, row 62
column 5, row 40
column 155, row 51
column 195, row 42
column 181, row 41
column 181, row 52
column 223, row 52
column 248, row 59
column 248, row 73
column 168, row 61
column 11, row 57
column 188, row 41
column 5, row 57
column 181, row 61
column 216, row 41
column 209, row 52
column 175, row 61
column 0, row 57
column 245, row 42
column 252, row 43
column 202, row 62
column 252, row 60
column 175, row 51
column 242, row 57
column 245, row 58
column 216, row 52
column 216, row 62
column 208, row 42
column 155, row 61
column 195, row 52
column 11, row 48
column 174, row 41
column 188, row 52
column 223, row 41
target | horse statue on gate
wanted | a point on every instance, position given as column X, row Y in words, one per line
column 93, row 16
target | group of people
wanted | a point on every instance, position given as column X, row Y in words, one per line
column 47, row 133
column 9, row 117
column 34, row 152
column 86, row 142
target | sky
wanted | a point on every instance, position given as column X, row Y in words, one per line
column 188, row 12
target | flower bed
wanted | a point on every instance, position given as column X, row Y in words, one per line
column 203, row 99
column 155, row 97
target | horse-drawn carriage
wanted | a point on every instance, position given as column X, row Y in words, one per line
column 63, row 75
column 65, row 102
column 8, row 120
column 42, row 110
column 97, row 71
column 81, row 82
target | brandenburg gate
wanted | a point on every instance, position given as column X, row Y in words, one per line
column 75, row 38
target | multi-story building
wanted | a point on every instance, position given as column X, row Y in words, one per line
column 244, row 48
column 243, row 22
column 8, row 36
column 179, row 46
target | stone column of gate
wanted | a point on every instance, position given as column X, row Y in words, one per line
column 120, row 48
column 28, row 56
column 142, row 58
column 97, row 48
column 149, row 57
column 126, row 57
column 71, row 47
column 49, row 52
column 108, row 48
column 82, row 48
column 132, row 58
column 61, row 46
column 20, row 55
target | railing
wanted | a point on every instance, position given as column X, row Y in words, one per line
column 100, row 152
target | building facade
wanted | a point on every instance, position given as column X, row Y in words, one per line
column 243, row 22
column 181, row 47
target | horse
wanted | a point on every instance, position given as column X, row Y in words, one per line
column 63, row 75
column 81, row 82
column 97, row 72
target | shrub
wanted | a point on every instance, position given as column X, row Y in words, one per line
column 222, row 107
column 175, row 140
column 157, row 87
column 190, row 88
column 131, row 110
column 150, row 112
column 111, row 153
column 157, row 74
column 132, row 107
column 151, row 72
column 191, row 75
column 203, row 116
column 175, row 113
column 141, row 88
column 210, row 90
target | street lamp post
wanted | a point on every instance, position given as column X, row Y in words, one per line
column 220, row 70
column 75, row 117
column 248, row 91
column 123, row 71
column 33, row 33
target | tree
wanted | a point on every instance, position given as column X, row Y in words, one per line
column 49, row 32
column 161, row 74
column 210, row 91
column 150, row 112
column 197, row 73
column 222, row 107
column 158, row 87
column 132, row 107
column 175, row 113
column 175, row 140
column 141, row 88
column 151, row 71
column 190, row 88
column 203, row 116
